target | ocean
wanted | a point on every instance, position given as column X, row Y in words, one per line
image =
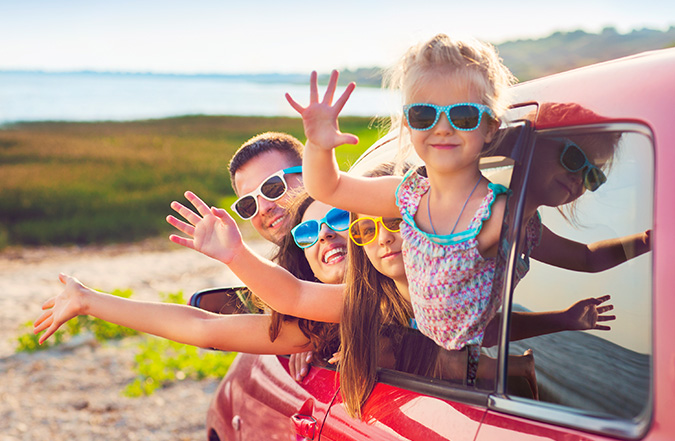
column 89, row 96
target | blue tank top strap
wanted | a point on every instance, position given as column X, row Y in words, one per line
column 485, row 211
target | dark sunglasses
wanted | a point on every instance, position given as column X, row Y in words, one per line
column 272, row 188
column 573, row 159
column 306, row 234
column 364, row 230
column 462, row 116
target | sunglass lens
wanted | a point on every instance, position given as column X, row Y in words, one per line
column 465, row 117
column 594, row 179
column 421, row 116
column 337, row 220
column 246, row 207
column 573, row 158
column 306, row 234
column 273, row 188
column 392, row 224
column 363, row 231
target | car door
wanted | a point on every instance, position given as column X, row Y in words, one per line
column 261, row 400
column 405, row 409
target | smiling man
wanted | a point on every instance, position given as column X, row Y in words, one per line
column 262, row 172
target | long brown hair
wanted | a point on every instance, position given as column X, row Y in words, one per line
column 324, row 337
column 371, row 303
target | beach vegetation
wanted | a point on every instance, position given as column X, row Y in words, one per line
column 106, row 182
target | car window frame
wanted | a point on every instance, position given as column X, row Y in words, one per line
column 558, row 415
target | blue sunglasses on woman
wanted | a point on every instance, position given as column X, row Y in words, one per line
column 306, row 234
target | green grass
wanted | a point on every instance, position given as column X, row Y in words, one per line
column 102, row 182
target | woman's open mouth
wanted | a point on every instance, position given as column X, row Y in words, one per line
column 334, row 255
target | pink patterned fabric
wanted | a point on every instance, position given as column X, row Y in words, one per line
column 450, row 282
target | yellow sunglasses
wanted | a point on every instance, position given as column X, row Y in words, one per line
column 364, row 230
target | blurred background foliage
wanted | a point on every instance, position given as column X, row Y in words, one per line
column 102, row 182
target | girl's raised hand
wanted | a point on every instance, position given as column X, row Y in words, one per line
column 320, row 119
column 213, row 232
column 60, row 309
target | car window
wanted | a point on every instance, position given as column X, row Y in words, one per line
column 572, row 367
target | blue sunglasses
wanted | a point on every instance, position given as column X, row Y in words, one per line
column 462, row 116
column 573, row 159
column 306, row 234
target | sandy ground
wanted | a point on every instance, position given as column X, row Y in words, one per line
column 75, row 393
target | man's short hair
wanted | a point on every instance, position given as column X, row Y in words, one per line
column 266, row 142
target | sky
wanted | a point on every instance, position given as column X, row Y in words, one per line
column 248, row 36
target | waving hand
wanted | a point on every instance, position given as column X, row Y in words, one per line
column 60, row 309
column 212, row 232
column 320, row 119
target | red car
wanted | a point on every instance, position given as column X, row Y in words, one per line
column 593, row 385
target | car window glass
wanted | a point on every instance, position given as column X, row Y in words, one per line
column 572, row 367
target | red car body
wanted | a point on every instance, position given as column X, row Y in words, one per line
column 259, row 400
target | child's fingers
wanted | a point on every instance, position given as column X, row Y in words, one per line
column 602, row 299
column 347, row 138
column 604, row 309
column 340, row 103
column 180, row 225
column 188, row 243
column 184, row 211
column 606, row 318
column 294, row 104
column 201, row 207
column 330, row 90
column 313, row 88
column 602, row 328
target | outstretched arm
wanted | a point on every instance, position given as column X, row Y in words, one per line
column 180, row 323
column 214, row 233
column 321, row 175
column 594, row 257
column 581, row 316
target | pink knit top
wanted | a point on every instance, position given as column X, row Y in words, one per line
column 450, row 282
